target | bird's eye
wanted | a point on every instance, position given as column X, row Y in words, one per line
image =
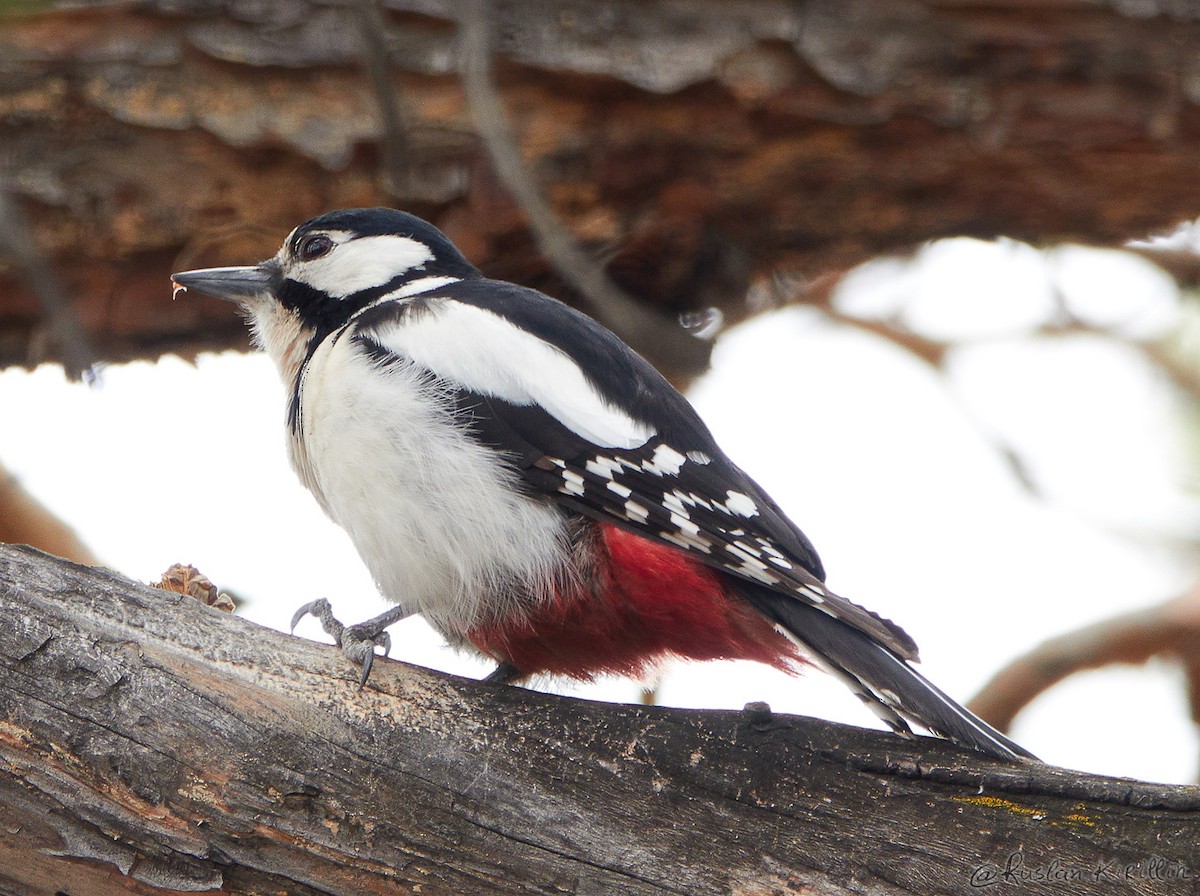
column 313, row 247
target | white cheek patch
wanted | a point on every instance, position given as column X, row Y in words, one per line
column 476, row 349
column 357, row 264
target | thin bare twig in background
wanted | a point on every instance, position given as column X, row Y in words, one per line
column 820, row 293
column 1170, row 630
column 392, row 113
column 650, row 333
column 64, row 328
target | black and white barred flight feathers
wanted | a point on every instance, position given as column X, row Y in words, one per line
column 587, row 424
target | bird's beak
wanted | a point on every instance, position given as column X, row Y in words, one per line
column 231, row 284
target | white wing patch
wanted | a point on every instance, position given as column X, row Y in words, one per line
column 642, row 490
column 604, row 466
column 636, row 512
column 741, row 504
column 357, row 264
column 484, row 353
column 665, row 462
column 572, row 483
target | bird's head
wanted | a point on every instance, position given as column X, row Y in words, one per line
column 329, row 269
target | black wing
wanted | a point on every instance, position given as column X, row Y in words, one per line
column 677, row 488
column 713, row 510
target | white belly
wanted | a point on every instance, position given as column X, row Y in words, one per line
column 433, row 514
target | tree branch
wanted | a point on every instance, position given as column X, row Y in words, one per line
column 392, row 112
column 648, row 332
column 23, row 518
column 149, row 743
column 814, row 136
column 69, row 340
column 1169, row 629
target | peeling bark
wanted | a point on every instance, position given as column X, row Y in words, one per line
column 150, row 744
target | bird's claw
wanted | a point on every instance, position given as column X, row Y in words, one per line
column 358, row 642
column 322, row 611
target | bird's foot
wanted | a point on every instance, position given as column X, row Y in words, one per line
column 358, row 642
column 505, row 673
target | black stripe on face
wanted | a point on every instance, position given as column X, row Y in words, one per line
column 322, row 313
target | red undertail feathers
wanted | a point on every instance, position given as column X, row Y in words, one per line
column 648, row 602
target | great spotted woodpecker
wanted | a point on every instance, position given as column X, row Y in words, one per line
column 513, row 472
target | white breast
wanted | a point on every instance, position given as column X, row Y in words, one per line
column 434, row 515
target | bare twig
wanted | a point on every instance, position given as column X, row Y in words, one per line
column 78, row 355
column 1182, row 264
column 1183, row 374
column 392, row 113
column 646, row 331
column 819, row 293
column 1170, row 629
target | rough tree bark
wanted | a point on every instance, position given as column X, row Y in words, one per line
column 150, row 744
column 712, row 139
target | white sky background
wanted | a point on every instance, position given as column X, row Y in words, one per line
column 891, row 468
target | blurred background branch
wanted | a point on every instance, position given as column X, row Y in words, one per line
column 644, row 329
column 1169, row 631
column 25, row 520
column 392, row 113
column 62, row 333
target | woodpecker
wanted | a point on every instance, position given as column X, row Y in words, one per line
column 510, row 470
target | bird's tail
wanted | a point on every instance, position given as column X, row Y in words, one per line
column 892, row 688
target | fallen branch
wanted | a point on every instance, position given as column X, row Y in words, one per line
column 150, row 743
